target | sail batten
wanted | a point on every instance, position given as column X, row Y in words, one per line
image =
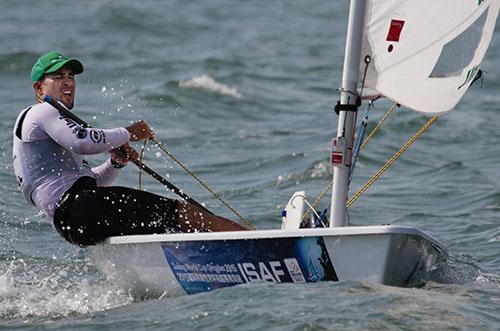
column 421, row 56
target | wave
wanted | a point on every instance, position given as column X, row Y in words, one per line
column 205, row 82
column 458, row 269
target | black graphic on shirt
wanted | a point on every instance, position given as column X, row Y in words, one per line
column 97, row 136
column 69, row 122
column 81, row 133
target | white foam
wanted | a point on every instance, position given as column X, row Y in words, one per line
column 206, row 82
column 28, row 291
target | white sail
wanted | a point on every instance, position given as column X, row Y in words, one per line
column 424, row 54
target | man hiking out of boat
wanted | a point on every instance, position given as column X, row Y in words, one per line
column 55, row 177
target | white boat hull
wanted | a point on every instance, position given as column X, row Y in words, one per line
column 175, row 264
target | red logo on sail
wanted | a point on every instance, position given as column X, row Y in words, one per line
column 395, row 30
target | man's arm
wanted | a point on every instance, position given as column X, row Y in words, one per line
column 107, row 172
column 75, row 137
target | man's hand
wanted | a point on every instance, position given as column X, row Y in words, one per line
column 140, row 130
column 123, row 154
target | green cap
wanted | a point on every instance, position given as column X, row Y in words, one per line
column 51, row 62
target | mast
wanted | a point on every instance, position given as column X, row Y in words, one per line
column 347, row 113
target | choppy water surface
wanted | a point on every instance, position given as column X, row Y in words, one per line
column 243, row 93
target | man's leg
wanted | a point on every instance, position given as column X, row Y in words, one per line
column 194, row 219
column 92, row 215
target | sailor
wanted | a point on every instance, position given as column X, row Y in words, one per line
column 50, row 167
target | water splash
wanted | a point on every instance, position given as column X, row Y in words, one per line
column 41, row 288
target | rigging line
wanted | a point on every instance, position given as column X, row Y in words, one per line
column 316, row 202
column 329, row 186
column 217, row 196
column 391, row 161
column 141, row 156
column 367, row 61
column 362, row 128
column 359, row 140
column 379, row 124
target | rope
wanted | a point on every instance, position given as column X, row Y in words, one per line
column 359, row 140
column 329, row 186
column 367, row 62
column 391, row 161
column 203, row 184
column 379, row 124
column 318, row 199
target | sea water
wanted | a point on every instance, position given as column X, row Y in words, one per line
column 242, row 92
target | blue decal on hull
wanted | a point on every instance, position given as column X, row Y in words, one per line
column 201, row 266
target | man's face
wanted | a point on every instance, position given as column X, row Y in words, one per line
column 60, row 85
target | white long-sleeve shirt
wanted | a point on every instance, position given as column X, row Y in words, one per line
column 44, row 122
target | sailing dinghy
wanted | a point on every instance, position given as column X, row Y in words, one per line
column 421, row 54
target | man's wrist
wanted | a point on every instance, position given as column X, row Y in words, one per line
column 117, row 165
